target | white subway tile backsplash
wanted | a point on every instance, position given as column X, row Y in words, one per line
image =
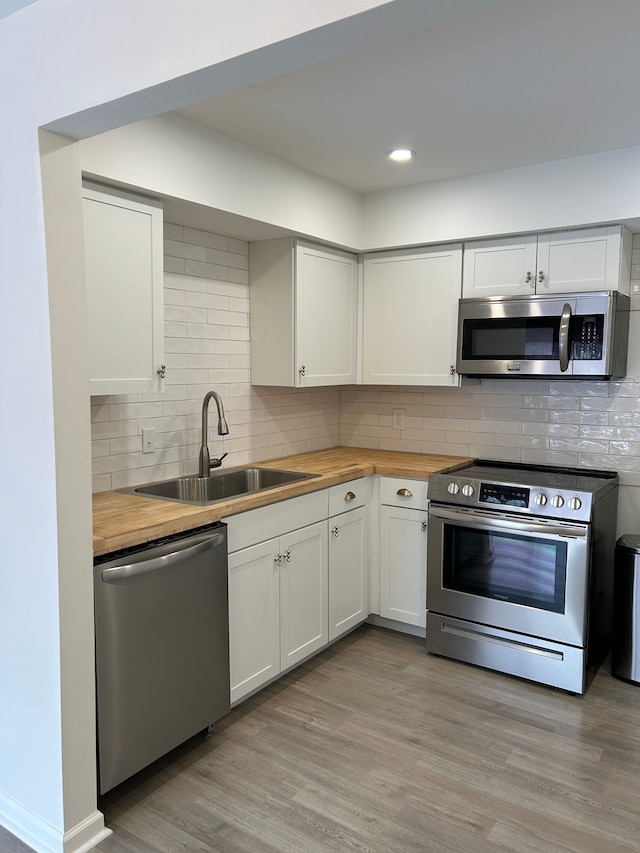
column 184, row 314
column 174, row 265
column 208, row 300
column 202, row 330
column 207, row 345
column 205, row 238
column 203, row 269
column 173, row 232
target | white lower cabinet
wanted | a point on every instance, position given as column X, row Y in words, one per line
column 348, row 570
column 303, row 593
column 403, row 550
column 293, row 585
column 278, row 589
column 278, row 606
column 254, row 617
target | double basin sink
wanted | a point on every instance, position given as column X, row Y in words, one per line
column 219, row 486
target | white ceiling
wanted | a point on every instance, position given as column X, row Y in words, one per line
column 520, row 82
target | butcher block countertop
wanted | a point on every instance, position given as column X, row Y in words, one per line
column 124, row 520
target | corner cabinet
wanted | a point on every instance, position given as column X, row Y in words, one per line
column 410, row 316
column 587, row 259
column 303, row 314
column 124, row 280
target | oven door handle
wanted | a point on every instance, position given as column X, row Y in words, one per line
column 489, row 521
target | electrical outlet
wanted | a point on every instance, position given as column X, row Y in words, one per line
column 635, row 288
column 399, row 419
column 148, row 440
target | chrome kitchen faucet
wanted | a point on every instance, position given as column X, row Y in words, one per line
column 205, row 464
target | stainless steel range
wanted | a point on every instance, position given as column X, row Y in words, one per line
column 520, row 567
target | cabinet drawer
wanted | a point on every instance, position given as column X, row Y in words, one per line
column 340, row 497
column 258, row 525
column 393, row 492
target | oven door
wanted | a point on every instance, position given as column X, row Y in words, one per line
column 523, row 575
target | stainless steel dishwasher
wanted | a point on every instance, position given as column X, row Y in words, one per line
column 162, row 648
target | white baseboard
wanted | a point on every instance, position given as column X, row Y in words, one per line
column 43, row 837
column 86, row 835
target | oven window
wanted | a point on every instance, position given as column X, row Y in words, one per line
column 506, row 566
column 518, row 338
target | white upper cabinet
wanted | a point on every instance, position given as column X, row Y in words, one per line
column 410, row 316
column 563, row 262
column 124, row 276
column 303, row 314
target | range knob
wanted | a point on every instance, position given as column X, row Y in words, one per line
column 453, row 488
column 467, row 490
column 574, row 503
column 557, row 501
column 541, row 499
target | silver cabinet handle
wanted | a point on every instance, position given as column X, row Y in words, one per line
column 563, row 337
column 162, row 371
column 350, row 496
column 423, row 526
column 143, row 566
column 334, row 530
column 528, row 276
column 404, row 493
column 540, row 276
column 302, row 370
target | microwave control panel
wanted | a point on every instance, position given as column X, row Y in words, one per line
column 586, row 333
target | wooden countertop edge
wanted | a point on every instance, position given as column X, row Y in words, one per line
column 136, row 520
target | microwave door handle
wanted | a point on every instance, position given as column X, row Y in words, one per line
column 563, row 337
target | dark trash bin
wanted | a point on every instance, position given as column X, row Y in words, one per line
column 625, row 649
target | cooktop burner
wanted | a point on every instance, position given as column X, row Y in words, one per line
column 543, row 490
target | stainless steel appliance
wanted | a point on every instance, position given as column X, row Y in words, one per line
column 573, row 335
column 520, row 568
column 625, row 647
column 162, row 648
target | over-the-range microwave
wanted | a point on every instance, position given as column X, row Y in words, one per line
column 571, row 335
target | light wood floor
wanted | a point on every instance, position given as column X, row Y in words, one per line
column 376, row 746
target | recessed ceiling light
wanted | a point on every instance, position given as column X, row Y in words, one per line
column 401, row 155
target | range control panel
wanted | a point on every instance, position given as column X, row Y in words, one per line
column 504, row 495
column 550, row 502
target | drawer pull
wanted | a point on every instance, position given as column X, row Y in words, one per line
column 350, row 496
column 404, row 493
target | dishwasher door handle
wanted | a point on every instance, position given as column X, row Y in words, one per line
column 128, row 570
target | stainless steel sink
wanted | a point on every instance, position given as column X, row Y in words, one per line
column 219, row 486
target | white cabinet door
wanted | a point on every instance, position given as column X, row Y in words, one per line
column 575, row 261
column 303, row 314
column 326, row 305
column 559, row 262
column 303, row 593
column 348, row 570
column 403, row 565
column 499, row 267
column 254, row 617
column 410, row 316
column 124, row 275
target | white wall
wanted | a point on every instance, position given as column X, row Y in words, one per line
column 68, row 311
column 561, row 194
column 169, row 155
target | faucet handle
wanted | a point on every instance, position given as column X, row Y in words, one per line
column 216, row 462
